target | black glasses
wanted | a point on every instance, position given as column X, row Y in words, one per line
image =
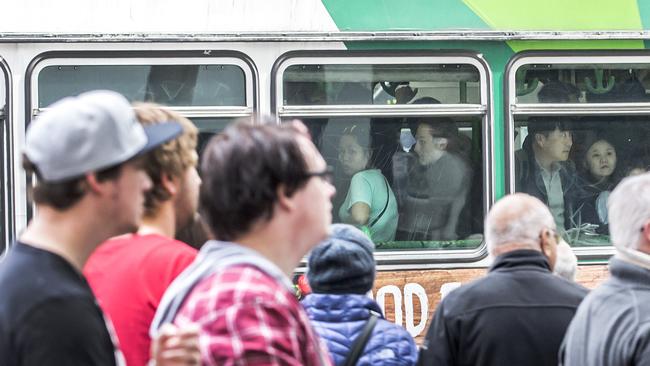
column 326, row 175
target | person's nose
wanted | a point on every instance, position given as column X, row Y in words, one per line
column 147, row 183
column 332, row 190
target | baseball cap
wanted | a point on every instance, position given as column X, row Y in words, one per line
column 90, row 132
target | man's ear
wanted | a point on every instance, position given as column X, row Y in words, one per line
column 169, row 183
column 540, row 139
column 547, row 243
column 93, row 185
column 443, row 143
column 645, row 232
column 284, row 201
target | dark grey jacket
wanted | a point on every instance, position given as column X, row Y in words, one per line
column 612, row 325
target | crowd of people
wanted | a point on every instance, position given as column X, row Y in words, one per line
column 97, row 277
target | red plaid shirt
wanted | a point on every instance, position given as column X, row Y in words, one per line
column 248, row 318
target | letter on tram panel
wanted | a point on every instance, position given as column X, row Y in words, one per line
column 397, row 297
column 448, row 287
column 411, row 289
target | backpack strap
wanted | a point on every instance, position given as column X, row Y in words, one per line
column 361, row 341
column 385, row 206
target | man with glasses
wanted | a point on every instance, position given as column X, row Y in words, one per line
column 266, row 197
column 543, row 168
column 518, row 313
column 612, row 325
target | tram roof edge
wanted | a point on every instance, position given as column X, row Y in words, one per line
column 342, row 36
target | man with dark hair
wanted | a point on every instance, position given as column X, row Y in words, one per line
column 266, row 197
column 141, row 265
column 543, row 168
column 85, row 152
column 437, row 186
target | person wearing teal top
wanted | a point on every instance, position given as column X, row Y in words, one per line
column 369, row 203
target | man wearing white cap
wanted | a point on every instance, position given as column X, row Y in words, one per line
column 90, row 186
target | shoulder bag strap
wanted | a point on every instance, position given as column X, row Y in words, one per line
column 360, row 343
column 385, row 206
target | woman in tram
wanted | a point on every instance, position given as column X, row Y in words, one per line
column 369, row 203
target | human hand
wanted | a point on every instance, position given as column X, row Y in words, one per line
column 174, row 346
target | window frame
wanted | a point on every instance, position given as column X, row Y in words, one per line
column 8, row 198
column 165, row 57
column 407, row 258
column 513, row 109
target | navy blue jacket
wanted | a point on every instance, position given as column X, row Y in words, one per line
column 339, row 320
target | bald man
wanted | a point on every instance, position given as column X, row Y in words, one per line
column 517, row 314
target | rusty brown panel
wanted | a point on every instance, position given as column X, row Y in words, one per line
column 432, row 281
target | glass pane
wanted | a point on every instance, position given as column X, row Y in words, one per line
column 572, row 164
column 418, row 180
column 173, row 85
column 381, row 84
column 582, row 83
column 209, row 127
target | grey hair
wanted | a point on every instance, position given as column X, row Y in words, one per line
column 629, row 209
column 517, row 219
column 566, row 264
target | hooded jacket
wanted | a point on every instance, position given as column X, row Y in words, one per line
column 340, row 319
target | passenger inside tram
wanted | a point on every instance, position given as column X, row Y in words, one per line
column 600, row 174
column 544, row 170
column 369, row 202
column 437, row 186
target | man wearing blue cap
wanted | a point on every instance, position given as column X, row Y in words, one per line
column 84, row 152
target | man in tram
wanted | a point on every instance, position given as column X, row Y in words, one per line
column 612, row 325
column 86, row 154
column 543, row 168
column 140, row 266
column 517, row 314
column 266, row 197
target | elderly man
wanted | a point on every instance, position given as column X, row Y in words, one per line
column 612, row 325
column 86, row 153
column 518, row 313
column 267, row 197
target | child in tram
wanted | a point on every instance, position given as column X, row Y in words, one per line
column 341, row 272
column 600, row 175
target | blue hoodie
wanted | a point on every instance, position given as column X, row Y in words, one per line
column 339, row 320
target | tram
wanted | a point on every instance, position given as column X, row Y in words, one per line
column 481, row 75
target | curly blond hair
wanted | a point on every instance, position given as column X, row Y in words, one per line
column 172, row 158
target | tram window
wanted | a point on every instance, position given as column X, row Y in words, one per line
column 573, row 163
column 336, row 84
column 208, row 127
column 582, row 83
column 173, row 85
column 420, row 178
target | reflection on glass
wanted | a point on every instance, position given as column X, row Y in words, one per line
column 380, row 84
column 572, row 164
column 174, row 85
column 582, row 83
column 428, row 197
